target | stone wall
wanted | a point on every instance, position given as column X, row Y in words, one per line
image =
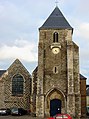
column 22, row 100
column 34, row 91
column 2, row 105
column 83, row 96
column 66, row 80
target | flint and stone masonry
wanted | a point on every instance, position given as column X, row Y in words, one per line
column 58, row 73
column 54, row 86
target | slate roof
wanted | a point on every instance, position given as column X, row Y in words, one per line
column 82, row 77
column 87, row 92
column 2, row 72
column 87, row 86
column 56, row 21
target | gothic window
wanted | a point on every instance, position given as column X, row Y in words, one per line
column 17, row 85
column 55, row 37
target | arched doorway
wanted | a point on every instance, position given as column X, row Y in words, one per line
column 55, row 107
column 55, row 96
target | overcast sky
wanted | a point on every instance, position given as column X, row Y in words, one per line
column 19, row 34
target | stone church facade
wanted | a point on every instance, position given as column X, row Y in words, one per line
column 54, row 86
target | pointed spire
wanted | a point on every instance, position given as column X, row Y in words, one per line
column 56, row 21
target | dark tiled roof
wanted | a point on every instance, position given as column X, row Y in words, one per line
column 56, row 20
column 2, row 72
column 87, row 86
column 87, row 92
column 82, row 77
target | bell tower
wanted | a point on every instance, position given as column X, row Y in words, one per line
column 58, row 68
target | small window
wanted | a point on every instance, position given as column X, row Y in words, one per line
column 55, row 70
column 55, row 37
column 17, row 85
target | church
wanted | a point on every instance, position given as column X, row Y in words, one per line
column 56, row 85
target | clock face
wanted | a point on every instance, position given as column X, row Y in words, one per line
column 55, row 50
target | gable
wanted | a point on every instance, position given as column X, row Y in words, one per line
column 15, row 68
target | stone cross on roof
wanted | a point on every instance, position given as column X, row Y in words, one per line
column 56, row 2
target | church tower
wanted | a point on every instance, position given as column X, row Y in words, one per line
column 58, row 83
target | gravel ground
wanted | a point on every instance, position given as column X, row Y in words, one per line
column 19, row 117
column 25, row 117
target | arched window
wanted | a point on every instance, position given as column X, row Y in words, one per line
column 55, row 37
column 17, row 85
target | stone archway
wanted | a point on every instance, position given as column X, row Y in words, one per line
column 55, row 95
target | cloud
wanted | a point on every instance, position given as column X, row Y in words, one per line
column 23, row 18
column 83, row 6
column 20, row 49
column 83, row 30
